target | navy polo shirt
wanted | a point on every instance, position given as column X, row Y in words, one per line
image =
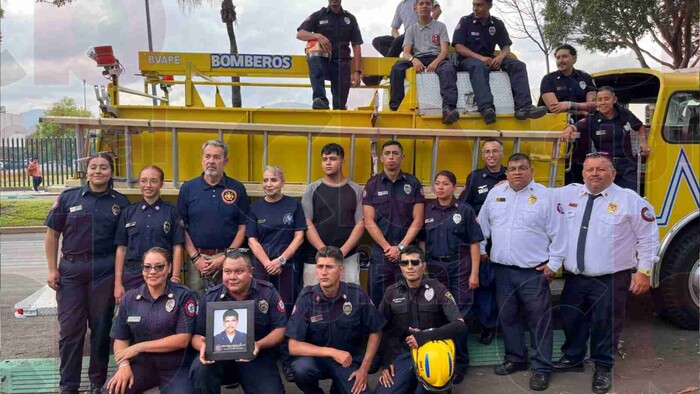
column 88, row 221
column 572, row 87
column 212, row 214
column 481, row 35
column 140, row 318
column 448, row 227
column 143, row 226
column 340, row 29
column 343, row 322
column 611, row 135
column 273, row 224
column 269, row 307
column 393, row 203
column 478, row 184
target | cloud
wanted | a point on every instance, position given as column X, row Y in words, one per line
column 49, row 45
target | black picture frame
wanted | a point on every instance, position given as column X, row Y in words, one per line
column 218, row 347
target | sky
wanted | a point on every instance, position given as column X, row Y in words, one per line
column 43, row 50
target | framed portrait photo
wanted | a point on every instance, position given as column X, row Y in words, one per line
column 230, row 330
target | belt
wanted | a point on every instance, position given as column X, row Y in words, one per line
column 521, row 268
column 319, row 54
column 210, row 252
column 569, row 273
column 83, row 256
column 444, row 259
column 622, row 159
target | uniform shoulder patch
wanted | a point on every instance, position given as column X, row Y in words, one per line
column 280, row 305
column 647, row 215
column 450, row 296
column 190, row 308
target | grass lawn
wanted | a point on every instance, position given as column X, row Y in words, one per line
column 15, row 213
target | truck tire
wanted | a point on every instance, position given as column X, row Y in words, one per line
column 678, row 294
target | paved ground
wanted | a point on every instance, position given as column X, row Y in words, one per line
column 658, row 358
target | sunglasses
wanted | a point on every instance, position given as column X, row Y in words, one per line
column 231, row 251
column 598, row 154
column 157, row 267
column 414, row 262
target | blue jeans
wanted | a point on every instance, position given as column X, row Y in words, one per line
column 337, row 71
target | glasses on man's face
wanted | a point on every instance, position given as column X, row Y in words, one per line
column 231, row 251
column 598, row 154
column 491, row 152
column 414, row 262
column 518, row 169
column 156, row 267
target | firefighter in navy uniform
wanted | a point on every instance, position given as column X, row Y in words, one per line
column 87, row 219
column 334, row 29
column 451, row 237
column 610, row 129
column 477, row 187
column 393, row 204
column 417, row 310
column 214, row 211
column 152, row 332
column 259, row 375
column 329, row 324
column 571, row 91
column 143, row 225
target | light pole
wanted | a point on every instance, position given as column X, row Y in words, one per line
column 150, row 44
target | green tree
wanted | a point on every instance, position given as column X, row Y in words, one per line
column 608, row 25
column 64, row 107
column 526, row 21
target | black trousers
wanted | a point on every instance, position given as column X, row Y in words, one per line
column 445, row 71
column 388, row 46
column 594, row 307
column 525, row 292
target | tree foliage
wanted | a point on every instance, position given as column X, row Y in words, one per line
column 64, row 107
column 57, row 3
column 525, row 19
column 609, row 25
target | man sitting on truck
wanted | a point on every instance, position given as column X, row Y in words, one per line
column 475, row 40
column 428, row 40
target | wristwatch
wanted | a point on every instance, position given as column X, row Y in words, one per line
column 282, row 260
column 644, row 272
column 401, row 247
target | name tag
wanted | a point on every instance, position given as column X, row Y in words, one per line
column 323, row 22
column 384, row 193
column 560, row 88
column 398, row 300
column 501, row 199
column 76, row 208
column 133, row 319
column 132, row 224
column 483, row 189
column 600, row 132
column 429, row 220
column 316, row 318
column 475, row 33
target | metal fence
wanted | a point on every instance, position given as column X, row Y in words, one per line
column 57, row 159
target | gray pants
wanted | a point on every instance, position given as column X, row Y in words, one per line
column 198, row 283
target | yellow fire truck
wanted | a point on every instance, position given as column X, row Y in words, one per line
column 169, row 133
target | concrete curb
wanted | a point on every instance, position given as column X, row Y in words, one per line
column 23, row 230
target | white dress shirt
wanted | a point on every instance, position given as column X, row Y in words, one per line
column 622, row 232
column 525, row 227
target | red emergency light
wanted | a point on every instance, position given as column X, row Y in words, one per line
column 103, row 56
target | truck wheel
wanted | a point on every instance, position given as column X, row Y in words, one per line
column 679, row 286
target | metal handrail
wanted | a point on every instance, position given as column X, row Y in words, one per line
column 133, row 126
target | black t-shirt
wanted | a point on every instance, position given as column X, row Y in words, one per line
column 339, row 28
column 572, row 87
column 334, row 210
